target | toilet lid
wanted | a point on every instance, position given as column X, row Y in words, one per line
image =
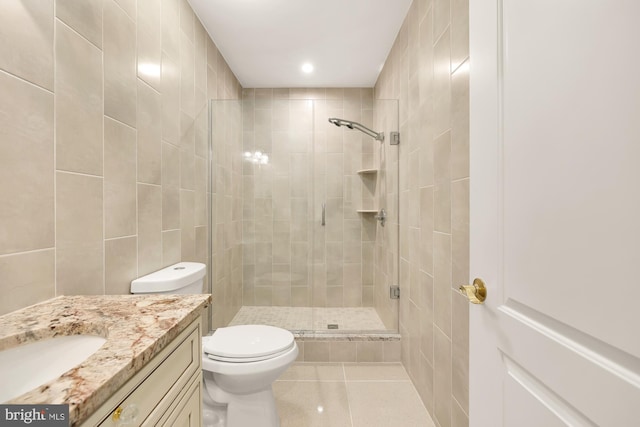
column 248, row 359
column 247, row 343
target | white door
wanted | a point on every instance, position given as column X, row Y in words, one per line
column 555, row 212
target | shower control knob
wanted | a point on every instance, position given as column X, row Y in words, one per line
column 381, row 216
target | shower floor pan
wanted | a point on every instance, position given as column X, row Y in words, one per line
column 360, row 335
column 311, row 319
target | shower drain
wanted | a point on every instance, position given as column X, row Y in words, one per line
column 332, row 326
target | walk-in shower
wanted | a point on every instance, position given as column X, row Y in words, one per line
column 273, row 259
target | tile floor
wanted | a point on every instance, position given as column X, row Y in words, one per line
column 308, row 318
column 349, row 395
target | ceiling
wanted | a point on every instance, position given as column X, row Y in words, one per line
column 266, row 42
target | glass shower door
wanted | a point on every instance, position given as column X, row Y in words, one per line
column 354, row 258
column 277, row 207
column 294, row 237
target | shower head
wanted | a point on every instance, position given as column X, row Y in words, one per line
column 355, row 125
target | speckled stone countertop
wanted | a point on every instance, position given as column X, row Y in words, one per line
column 136, row 327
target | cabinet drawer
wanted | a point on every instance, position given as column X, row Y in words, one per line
column 188, row 412
column 153, row 390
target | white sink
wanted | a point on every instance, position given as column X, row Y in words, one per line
column 28, row 366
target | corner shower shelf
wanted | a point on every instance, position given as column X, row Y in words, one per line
column 367, row 171
column 367, row 211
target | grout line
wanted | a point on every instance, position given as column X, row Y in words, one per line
column 447, row 27
column 132, row 18
column 466, row 178
column 466, row 59
column 154, row 185
column 381, row 381
column 104, row 181
column 22, row 79
column 137, row 184
column 447, row 336
column 439, row 135
column 344, row 372
column 163, row 178
column 113, row 118
column 149, row 86
column 28, row 252
column 458, row 403
column 55, row 160
column 77, row 33
column 80, row 173
column 119, row 237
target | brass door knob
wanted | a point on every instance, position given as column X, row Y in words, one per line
column 476, row 293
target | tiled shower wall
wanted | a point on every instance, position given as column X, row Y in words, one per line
column 103, row 143
column 226, row 209
column 427, row 70
column 290, row 259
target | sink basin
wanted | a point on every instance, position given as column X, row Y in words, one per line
column 28, row 366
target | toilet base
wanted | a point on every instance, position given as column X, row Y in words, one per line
column 253, row 410
column 213, row 415
column 242, row 410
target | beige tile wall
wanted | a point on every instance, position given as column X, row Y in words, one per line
column 103, row 144
column 290, row 259
column 354, row 350
column 226, row 208
column 427, row 70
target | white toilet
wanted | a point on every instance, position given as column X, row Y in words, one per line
column 239, row 363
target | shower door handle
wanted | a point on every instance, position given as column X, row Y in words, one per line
column 324, row 208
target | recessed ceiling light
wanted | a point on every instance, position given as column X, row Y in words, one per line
column 307, row 67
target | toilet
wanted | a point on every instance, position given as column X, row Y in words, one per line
column 239, row 363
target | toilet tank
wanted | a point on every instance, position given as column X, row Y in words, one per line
column 180, row 278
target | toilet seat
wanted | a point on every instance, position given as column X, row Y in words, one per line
column 247, row 359
column 247, row 343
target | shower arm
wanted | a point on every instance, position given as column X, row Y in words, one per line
column 362, row 128
column 375, row 135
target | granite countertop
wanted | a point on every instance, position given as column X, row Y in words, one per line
column 136, row 327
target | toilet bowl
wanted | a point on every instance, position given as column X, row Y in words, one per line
column 239, row 363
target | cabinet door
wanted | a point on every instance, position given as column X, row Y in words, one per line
column 188, row 412
column 157, row 390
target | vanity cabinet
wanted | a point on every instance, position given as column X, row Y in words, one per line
column 166, row 391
